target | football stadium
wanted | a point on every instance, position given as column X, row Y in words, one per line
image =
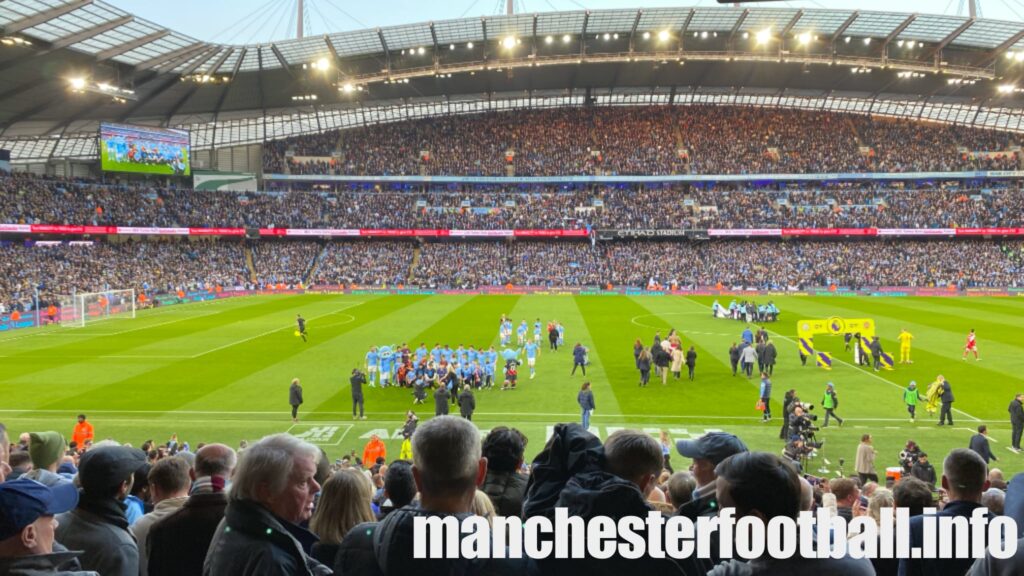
column 538, row 255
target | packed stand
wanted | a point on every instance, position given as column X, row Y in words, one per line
column 284, row 263
column 653, row 140
column 461, row 265
column 148, row 267
column 367, row 263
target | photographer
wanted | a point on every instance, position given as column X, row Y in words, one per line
column 801, row 423
column 357, row 380
column 797, row 451
column 909, row 456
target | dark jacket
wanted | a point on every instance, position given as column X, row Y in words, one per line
column 691, row 358
column 506, row 490
column 178, row 544
column 947, row 392
column 356, row 381
column 644, row 363
column 1016, row 412
column 99, row 527
column 979, row 444
column 770, row 353
column 42, row 564
column 585, row 399
column 467, row 404
column 250, row 541
column 924, row 471
column 578, row 354
column 734, row 355
column 385, row 548
column 441, row 396
column 938, row 566
column 568, row 473
column 325, row 553
column 294, row 395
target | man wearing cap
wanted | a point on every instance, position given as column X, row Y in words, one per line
column 707, row 452
column 27, row 525
column 98, row 525
column 46, row 450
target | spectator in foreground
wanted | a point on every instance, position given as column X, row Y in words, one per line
column 913, row 494
column 271, row 493
column 399, row 487
column 168, row 484
column 98, row 525
column 344, row 502
column 964, row 477
column 503, row 447
column 46, row 450
column 767, row 486
column 27, row 526
column 447, row 467
column 178, row 544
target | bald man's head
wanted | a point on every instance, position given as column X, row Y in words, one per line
column 215, row 460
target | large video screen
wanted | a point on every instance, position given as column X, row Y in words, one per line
column 125, row 148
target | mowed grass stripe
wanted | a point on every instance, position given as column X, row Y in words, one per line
column 324, row 363
column 474, row 321
column 178, row 383
column 554, row 388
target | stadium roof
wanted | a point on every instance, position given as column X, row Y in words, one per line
column 129, row 69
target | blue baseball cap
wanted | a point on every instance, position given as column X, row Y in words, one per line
column 24, row 501
column 713, row 446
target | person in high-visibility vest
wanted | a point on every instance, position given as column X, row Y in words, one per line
column 905, row 339
column 910, row 397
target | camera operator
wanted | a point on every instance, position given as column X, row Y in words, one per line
column 909, row 456
column 357, row 380
column 801, row 423
column 797, row 451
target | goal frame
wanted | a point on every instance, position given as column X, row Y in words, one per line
column 85, row 307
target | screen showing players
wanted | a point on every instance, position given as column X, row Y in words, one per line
column 126, row 148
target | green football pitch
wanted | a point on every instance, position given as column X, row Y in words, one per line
column 220, row 371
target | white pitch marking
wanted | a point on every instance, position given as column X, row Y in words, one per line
column 262, row 334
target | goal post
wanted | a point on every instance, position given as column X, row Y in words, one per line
column 88, row 307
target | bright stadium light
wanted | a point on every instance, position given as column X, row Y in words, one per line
column 566, row 39
column 746, row 35
column 347, row 88
column 805, row 38
column 1019, row 56
column 1006, row 88
column 77, row 83
column 847, row 39
column 549, row 39
column 703, row 35
column 421, row 50
column 469, row 45
column 607, row 36
column 323, row 64
column 867, row 41
column 663, row 36
column 509, row 42
column 647, row 35
column 763, row 36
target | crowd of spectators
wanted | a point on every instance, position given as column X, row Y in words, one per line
column 288, row 262
column 654, row 140
column 280, row 506
column 26, row 200
column 147, row 267
column 167, row 267
column 367, row 263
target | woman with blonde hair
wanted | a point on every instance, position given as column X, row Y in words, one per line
column 344, row 503
column 482, row 506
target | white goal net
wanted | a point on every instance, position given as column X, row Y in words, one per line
column 90, row 307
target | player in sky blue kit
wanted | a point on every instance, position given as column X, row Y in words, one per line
column 421, row 353
column 490, row 359
column 561, row 335
column 521, row 333
column 536, row 330
column 471, row 355
column 302, row 326
column 435, row 354
column 446, row 354
column 460, row 355
column 387, row 365
column 531, row 349
column 372, row 363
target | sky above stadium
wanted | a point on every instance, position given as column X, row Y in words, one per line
column 251, row 21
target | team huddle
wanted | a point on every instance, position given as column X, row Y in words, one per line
column 455, row 368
